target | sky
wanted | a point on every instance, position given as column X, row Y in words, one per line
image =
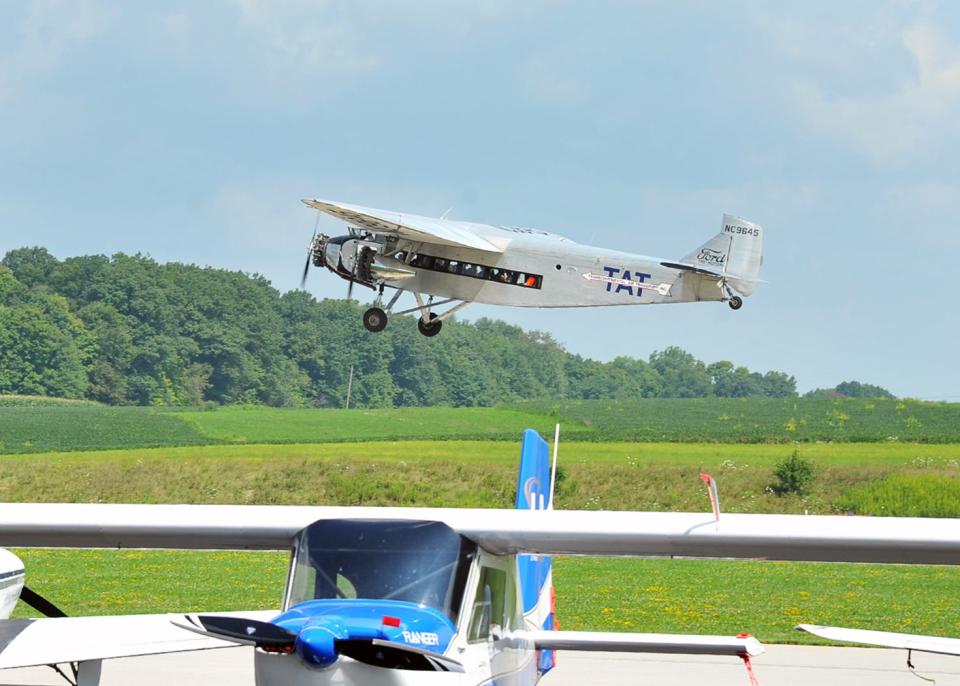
column 190, row 131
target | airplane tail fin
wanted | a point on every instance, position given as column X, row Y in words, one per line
column 737, row 251
column 534, row 489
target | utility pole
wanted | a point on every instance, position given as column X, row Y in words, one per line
column 349, row 386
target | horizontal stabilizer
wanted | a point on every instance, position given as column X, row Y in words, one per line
column 610, row 642
column 885, row 639
column 693, row 268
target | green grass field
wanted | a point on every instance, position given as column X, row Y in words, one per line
column 84, row 452
column 614, row 476
column 766, row 599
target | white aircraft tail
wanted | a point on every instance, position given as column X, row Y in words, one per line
column 736, row 251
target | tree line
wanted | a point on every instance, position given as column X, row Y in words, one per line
column 129, row 330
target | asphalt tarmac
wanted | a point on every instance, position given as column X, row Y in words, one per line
column 780, row 666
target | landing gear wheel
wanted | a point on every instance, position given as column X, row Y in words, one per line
column 375, row 319
column 429, row 329
column 735, row 303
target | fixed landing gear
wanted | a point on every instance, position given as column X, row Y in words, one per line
column 375, row 319
column 735, row 303
column 431, row 328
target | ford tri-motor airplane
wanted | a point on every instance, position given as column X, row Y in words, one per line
column 460, row 262
column 401, row 596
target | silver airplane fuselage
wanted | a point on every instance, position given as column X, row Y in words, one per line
column 560, row 273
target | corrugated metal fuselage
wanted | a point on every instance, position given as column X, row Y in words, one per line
column 573, row 275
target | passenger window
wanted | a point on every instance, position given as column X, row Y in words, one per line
column 529, row 280
column 490, row 611
column 453, row 267
column 469, row 269
column 423, row 261
column 481, row 272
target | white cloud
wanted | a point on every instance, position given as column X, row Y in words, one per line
column 48, row 32
column 907, row 117
column 302, row 40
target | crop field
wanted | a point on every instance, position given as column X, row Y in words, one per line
column 272, row 425
column 82, row 426
column 593, row 594
column 39, row 425
column 759, row 420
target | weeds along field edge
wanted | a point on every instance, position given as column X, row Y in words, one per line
column 615, row 476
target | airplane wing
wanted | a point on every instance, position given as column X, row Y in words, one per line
column 644, row 643
column 57, row 640
column 410, row 226
column 886, row 639
column 652, row 534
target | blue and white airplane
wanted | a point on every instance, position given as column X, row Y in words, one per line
column 397, row 596
column 461, row 262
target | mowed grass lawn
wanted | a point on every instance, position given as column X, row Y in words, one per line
column 766, row 599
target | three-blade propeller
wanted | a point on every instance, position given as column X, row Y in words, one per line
column 313, row 239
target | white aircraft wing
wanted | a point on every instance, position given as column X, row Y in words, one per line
column 886, row 639
column 410, row 226
column 644, row 643
column 273, row 527
column 57, row 640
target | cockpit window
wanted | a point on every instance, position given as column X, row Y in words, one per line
column 419, row 562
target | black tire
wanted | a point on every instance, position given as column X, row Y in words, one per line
column 735, row 303
column 375, row 319
column 429, row 329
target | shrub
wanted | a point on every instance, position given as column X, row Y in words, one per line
column 793, row 475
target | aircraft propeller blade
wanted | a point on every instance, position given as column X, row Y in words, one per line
column 40, row 604
column 306, row 268
column 240, row 630
column 350, row 290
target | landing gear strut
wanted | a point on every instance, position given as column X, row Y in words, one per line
column 375, row 319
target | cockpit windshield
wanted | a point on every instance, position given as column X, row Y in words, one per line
column 419, row 562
